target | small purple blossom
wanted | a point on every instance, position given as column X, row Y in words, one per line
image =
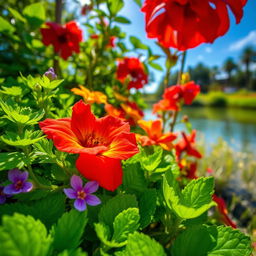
column 83, row 195
column 19, row 182
column 3, row 196
column 50, row 73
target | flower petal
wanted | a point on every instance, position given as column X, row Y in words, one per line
column 107, row 171
column 27, row 186
column 91, row 187
column 2, row 199
column 76, row 183
column 92, row 200
column 10, row 190
column 16, row 175
column 70, row 193
column 80, row 205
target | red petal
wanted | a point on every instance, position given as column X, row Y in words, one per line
column 106, row 171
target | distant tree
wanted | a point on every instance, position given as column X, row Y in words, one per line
column 229, row 66
column 214, row 71
column 247, row 58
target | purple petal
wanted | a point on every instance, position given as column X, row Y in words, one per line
column 16, row 175
column 2, row 199
column 80, row 204
column 76, row 182
column 91, row 187
column 70, row 193
column 27, row 186
column 92, row 200
column 10, row 190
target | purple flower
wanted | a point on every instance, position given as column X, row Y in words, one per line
column 19, row 182
column 50, row 74
column 3, row 196
column 82, row 194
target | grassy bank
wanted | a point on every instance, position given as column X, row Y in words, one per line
column 219, row 99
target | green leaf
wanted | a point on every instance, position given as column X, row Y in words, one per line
column 12, row 160
column 125, row 222
column 121, row 19
column 67, row 233
column 115, row 6
column 147, row 206
column 23, row 235
column 194, row 200
column 35, row 14
column 137, row 43
column 140, row 244
column 138, row 2
column 114, row 206
column 5, row 26
column 155, row 66
column 27, row 138
column 133, row 178
column 151, row 162
column 211, row 241
column 43, row 150
column 17, row 15
column 77, row 252
column 13, row 91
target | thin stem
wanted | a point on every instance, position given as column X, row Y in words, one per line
column 174, row 119
column 184, row 54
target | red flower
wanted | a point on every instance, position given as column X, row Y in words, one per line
column 133, row 70
column 185, row 24
column 222, row 208
column 100, row 142
column 111, row 41
column 186, row 144
column 155, row 136
column 65, row 39
column 175, row 95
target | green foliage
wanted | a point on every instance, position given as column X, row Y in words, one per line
column 115, row 6
column 155, row 66
column 35, row 14
column 211, row 240
column 137, row 43
column 121, row 19
column 114, row 206
column 140, row 245
column 12, row 91
column 5, row 26
column 151, row 162
column 193, row 200
column 68, row 231
column 77, row 252
column 12, row 160
column 23, row 235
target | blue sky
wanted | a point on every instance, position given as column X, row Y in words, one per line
column 230, row 45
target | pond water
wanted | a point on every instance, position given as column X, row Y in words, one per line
column 236, row 126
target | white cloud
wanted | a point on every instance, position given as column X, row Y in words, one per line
column 208, row 49
column 151, row 88
column 240, row 44
column 200, row 57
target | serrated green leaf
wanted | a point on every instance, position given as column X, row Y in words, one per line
column 115, row 6
column 194, row 200
column 13, row 91
column 5, row 26
column 147, row 206
column 140, row 244
column 125, row 222
column 155, row 66
column 114, row 206
column 23, row 235
column 137, row 43
column 68, row 231
column 28, row 138
column 35, row 14
column 12, row 160
column 121, row 19
column 151, row 162
column 211, row 241
column 43, row 151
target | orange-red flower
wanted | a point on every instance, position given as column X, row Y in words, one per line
column 175, row 95
column 185, row 24
column 100, row 142
column 132, row 70
column 187, row 145
column 155, row 136
column 65, row 39
column 222, row 208
column 128, row 111
column 90, row 96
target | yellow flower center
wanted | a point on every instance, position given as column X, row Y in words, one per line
column 81, row 194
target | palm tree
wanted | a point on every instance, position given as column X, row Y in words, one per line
column 247, row 57
column 228, row 66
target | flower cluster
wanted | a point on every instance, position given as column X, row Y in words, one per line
column 184, row 24
column 65, row 39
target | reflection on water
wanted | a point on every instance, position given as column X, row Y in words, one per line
column 236, row 126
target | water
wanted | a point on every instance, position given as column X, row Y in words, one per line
column 236, row 126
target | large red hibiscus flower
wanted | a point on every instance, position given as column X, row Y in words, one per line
column 65, row 39
column 132, row 69
column 184, row 24
column 100, row 142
